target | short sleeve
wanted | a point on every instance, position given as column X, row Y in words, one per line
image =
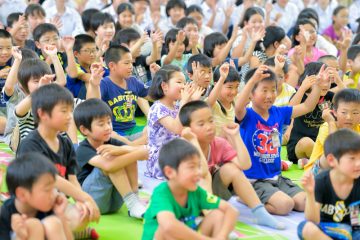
column 26, row 146
column 158, row 112
column 84, row 153
column 320, row 187
column 104, row 89
column 71, row 166
column 221, row 152
column 142, row 90
column 160, row 202
column 207, row 200
column 162, row 59
column 286, row 114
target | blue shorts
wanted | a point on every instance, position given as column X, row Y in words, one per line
column 103, row 191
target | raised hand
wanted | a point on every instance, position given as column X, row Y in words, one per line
column 187, row 92
column 97, row 73
column 260, row 74
column 57, row 22
column 180, row 37
column 308, row 82
column 20, row 23
column 18, row 225
column 234, row 33
column 188, row 134
column 197, row 93
column 327, row 115
column 193, row 39
column 68, row 43
column 279, row 61
column 224, row 70
column 4, row 72
column 16, row 52
column 196, row 71
column 46, row 79
column 228, row 11
column 231, row 129
column 257, row 35
column 154, row 68
column 308, row 182
column 50, row 50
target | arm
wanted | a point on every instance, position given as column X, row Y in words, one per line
column 11, row 79
column 214, row 94
column 210, row 23
column 144, row 105
column 312, row 208
column 73, row 180
column 227, row 12
column 68, row 44
column 230, row 217
column 51, row 51
column 219, row 59
column 180, row 38
column 157, row 39
column 23, row 107
column 93, row 89
column 305, row 85
column 139, row 43
column 238, row 51
column 255, row 37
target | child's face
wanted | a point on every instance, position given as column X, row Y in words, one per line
column 61, row 117
column 106, row 31
column 23, row 33
column 174, row 86
column 123, row 68
column 101, row 129
column 312, row 35
column 347, row 114
column 348, row 164
column 5, row 50
column 35, row 20
column 355, row 64
column 205, row 75
column 140, row 7
column 43, row 193
column 191, row 29
column 48, row 38
column 229, row 91
column 333, row 63
column 138, row 51
column 202, row 125
column 263, row 97
column 176, row 13
column 218, row 48
column 126, row 19
column 188, row 173
column 256, row 21
column 198, row 18
column 87, row 54
column 342, row 17
column 180, row 51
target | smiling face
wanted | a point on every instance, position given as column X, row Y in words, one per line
column 228, row 92
column 255, row 22
column 126, row 19
column 5, row 50
column 180, row 50
column 176, row 13
column 264, row 95
column 106, row 31
column 172, row 89
column 347, row 114
column 348, row 164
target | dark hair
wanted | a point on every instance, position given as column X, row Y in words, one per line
column 5, row 34
column 86, row 18
column 99, row 19
column 273, row 34
column 202, row 59
column 26, row 169
column 271, row 62
column 173, row 4
column 353, row 52
column 271, row 78
column 211, row 41
column 347, row 95
column 114, row 53
column 28, row 54
column 342, row 142
column 193, row 8
column 126, row 35
column 173, row 153
column 307, row 13
column 32, row 68
column 187, row 110
column 296, row 32
column 356, row 39
column 161, row 76
column 125, row 7
column 185, row 21
column 47, row 97
column 251, row 11
column 170, row 37
column 13, row 17
column 86, row 112
column 233, row 75
column 338, row 9
column 43, row 28
column 81, row 40
column 312, row 68
column 34, row 9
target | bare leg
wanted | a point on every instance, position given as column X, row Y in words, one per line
column 299, row 200
column 132, row 174
column 35, row 229
column 210, row 225
column 304, row 147
column 2, row 124
column 121, row 182
column 54, row 229
column 311, row 231
column 280, row 204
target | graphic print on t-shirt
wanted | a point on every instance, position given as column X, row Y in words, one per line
column 126, row 111
column 263, row 143
column 338, row 211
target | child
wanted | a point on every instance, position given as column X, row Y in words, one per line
column 36, row 210
column 163, row 121
column 191, row 30
column 226, row 159
column 332, row 205
column 345, row 114
column 175, row 209
column 353, row 56
column 121, row 91
column 261, row 128
column 35, row 15
column 110, row 179
column 104, row 27
column 335, row 31
column 18, row 27
column 126, row 18
column 200, row 72
column 86, row 18
column 195, row 11
column 217, row 15
column 175, row 10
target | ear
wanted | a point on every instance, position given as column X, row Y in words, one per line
column 164, row 86
column 21, row 194
column 169, row 172
column 332, row 161
column 190, row 75
column 42, row 114
column 83, row 130
column 111, row 65
column 76, row 54
column 37, row 44
column 276, row 44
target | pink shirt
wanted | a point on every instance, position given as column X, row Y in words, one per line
column 221, row 152
column 316, row 54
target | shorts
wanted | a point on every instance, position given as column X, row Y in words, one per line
column 290, row 147
column 102, row 190
column 266, row 188
column 219, row 189
column 132, row 133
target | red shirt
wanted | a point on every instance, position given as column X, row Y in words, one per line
column 221, row 152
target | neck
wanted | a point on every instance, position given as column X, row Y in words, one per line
column 94, row 143
column 323, row 7
column 225, row 104
column 176, row 190
column 205, row 148
column 264, row 113
column 167, row 102
column 25, row 209
column 341, row 178
column 337, row 27
column 116, row 79
column 47, row 133
column 85, row 65
column 60, row 7
column 270, row 51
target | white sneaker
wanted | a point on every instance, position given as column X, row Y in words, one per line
column 137, row 211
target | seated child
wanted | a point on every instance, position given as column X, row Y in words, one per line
column 35, row 210
column 190, row 27
column 175, row 210
column 261, row 129
column 203, row 76
column 35, row 15
column 109, row 179
column 120, row 90
column 353, row 56
column 19, row 29
column 226, row 159
column 175, row 10
column 103, row 26
column 333, row 197
column 345, row 114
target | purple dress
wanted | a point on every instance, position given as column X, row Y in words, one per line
column 158, row 135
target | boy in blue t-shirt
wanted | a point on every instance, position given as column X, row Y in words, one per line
column 261, row 129
column 121, row 91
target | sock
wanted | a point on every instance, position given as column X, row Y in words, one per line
column 130, row 200
column 87, row 233
column 264, row 218
column 135, row 208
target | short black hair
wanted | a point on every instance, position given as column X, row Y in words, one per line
column 171, row 37
column 173, row 153
column 271, row 78
column 187, row 110
column 87, row 111
column 34, row 9
column 32, row 68
column 202, row 59
column 353, row 52
column 5, row 34
column 43, row 28
column 211, row 41
column 185, row 21
column 273, row 34
column 312, row 68
column 12, row 18
column 99, row 19
column 342, row 142
column 86, row 18
column 347, row 95
column 162, row 76
column 26, row 169
column 126, row 35
column 307, row 13
column 193, row 8
column 114, row 53
column 251, row 11
column 233, row 75
column 28, row 53
column 125, row 7
column 326, row 57
column 81, row 40
column 47, row 97
column 338, row 9
column 271, row 62
column 174, row 3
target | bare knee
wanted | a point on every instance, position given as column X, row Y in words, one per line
column 228, row 172
column 304, row 147
column 35, row 228
column 309, row 230
column 299, row 200
column 280, row 204
column 52, row 226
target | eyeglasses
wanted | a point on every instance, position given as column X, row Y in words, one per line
column 47, row 40
column 89, row 51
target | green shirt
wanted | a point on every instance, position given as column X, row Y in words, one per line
column 163, row 200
